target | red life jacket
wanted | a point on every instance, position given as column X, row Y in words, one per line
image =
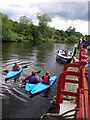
column 16, row 67
column 45, row 79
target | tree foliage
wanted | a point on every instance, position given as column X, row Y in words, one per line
column 26, row 30
column 43, row 25
column 25, row 20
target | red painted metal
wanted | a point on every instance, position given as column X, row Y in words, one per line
column 86, row 94
column 72, row 81
column 61, row 85
column 82, row 94
column 85, row 101
column 71, row 65
column 69, row 93
column 89, row 106
column 81, row 104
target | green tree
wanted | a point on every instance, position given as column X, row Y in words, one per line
column 35, row 33
column 43, row 24
column 26, row 30
column 25, row 20
column 72, row 39
column 51, row 32
column 5, row 28
column 56, row 38
column 78, row 35
column 70, row 31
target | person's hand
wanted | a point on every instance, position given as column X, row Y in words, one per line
column 39, row 75
column 50, row 81
column 40, row 78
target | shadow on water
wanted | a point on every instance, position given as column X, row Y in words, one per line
column 16, row 102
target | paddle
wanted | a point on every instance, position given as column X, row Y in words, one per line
column 5, row 71
column 36, row 72
column 8, row 71
column 24, row 66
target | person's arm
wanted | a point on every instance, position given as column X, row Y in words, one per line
column 28, row 77
column 18, row 67
column 49, row 79
column 13, row 68
column 87, row 43
column 42, row 77
column 36, row 79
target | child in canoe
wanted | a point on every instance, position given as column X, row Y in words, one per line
column 46, row 78
column 32, row 78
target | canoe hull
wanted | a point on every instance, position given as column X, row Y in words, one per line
column 13, row 74
column 40, row 87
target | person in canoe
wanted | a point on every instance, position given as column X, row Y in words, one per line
column 15, row 67
column 32, row 78
column 46, row 78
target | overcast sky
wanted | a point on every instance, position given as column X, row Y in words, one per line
column 63, row 14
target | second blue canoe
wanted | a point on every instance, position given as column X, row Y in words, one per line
column 42, row 86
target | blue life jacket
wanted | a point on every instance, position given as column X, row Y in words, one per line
column 32, row 79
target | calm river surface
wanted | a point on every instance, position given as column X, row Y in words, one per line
column 16, row 102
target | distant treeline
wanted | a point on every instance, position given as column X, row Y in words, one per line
column 26, row 30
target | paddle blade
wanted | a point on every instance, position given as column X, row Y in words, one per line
column 24, row 66
column 23, row 80
column 39, row 71
column 6, row 79
column 5, row 71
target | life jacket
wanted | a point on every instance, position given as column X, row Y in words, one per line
column 32, row 79
column 16, row 68
column 45, row 79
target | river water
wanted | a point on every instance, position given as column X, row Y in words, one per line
column 16, row 102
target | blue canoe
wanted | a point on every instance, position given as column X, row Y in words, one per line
column 30, row 86
column 13, row 74
column 42, row 86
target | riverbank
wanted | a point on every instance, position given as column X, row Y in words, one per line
column 42, row 41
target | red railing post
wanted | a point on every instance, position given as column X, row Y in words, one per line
column 86, row 93
column 81, row 104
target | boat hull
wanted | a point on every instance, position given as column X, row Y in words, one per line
column 62, row 59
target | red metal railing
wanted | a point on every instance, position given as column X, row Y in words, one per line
column 82, row 96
